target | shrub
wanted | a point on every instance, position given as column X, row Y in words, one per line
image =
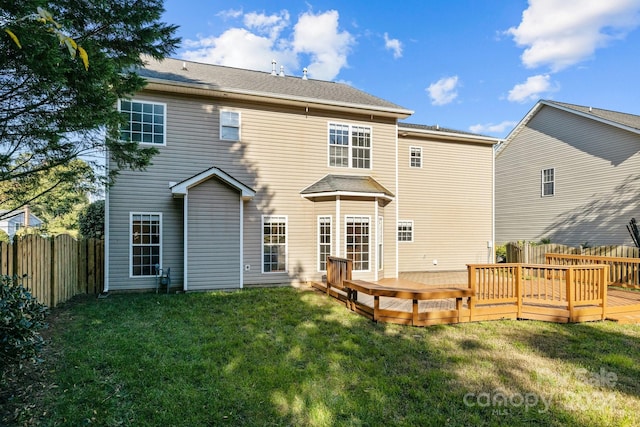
column 91, row 220
column 22, row 316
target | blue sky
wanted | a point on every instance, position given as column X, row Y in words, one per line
column 476, row 66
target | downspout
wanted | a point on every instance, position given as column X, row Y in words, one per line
column 185, row 243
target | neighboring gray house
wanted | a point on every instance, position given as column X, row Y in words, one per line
column 260, row 176
column 14, row 221
column 571, row 174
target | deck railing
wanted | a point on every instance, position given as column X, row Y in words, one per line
column 568, row 287
column 338, row 270
column 623, row 272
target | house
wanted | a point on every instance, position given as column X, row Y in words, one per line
column 12, row 221
column 570, row 174
column 260, row 176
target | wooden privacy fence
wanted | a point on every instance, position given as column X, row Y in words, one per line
column 55, row 269
column 538, row 292
column 623, row 272
column 535, row 254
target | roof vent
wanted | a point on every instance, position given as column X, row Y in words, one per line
column 282, row 71
column 437, row 127
column 304, row 73
column 273, row 67
column 590, row 109
column 184, row 66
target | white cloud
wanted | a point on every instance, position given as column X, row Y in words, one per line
column 230, row 13
column 267, row 24
column 561, row 33
column 443, row 91
column 394, row 45
column 492, row 128
column 318, row 36
column 532, row 89
column 266, row 37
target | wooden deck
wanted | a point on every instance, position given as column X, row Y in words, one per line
column 549, row 293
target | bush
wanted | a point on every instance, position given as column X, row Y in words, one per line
column 22, row 316
column 91, row 220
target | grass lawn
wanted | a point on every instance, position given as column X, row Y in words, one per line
column 282, row 356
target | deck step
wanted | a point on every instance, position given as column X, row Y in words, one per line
column 624, row 318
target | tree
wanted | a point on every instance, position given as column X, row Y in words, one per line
column 54, row 110
column 91, row 220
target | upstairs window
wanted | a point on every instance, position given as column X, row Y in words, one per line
column 229, row 125
column 349, row 146
column 548, row 182
column 415, row 157
column 145, row 122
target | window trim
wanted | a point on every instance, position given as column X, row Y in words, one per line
column 411, row 157
column 323, row 219
column 543, row 182
column 227, row 110
column 286, row 244
column 164, row 119
column 346, row 252
column 411, row 231
column 131, row 215
column 350, row 146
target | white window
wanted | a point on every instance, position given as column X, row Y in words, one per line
column 548, row 182
column 274, row 246
column 357, row 241
column 405, row 231
column 229, row 125
column 146, row 243
column 145, row 122
column 349, row 146
column 415, row 157
column 324, row 241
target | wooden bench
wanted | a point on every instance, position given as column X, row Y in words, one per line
column 415, row 295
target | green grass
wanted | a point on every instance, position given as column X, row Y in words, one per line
column 270, row 357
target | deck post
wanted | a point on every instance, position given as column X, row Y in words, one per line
column 519, row 290
column 471, row 270
column 604, row 286
column 376, row 307
column 414, row 320
column 570, row 293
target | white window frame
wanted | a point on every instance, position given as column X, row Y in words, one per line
column 543, row 181
column 409, row 232
column 415, row 153
column 324, row 220
column 269, row 219
column 131, row 245
column 347, row 219
column 142, row 133
column 350, row 146
column 223, row 124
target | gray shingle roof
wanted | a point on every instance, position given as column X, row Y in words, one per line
column 630, row 120
column 435, row 128
column 238, row 79
column 348, row 184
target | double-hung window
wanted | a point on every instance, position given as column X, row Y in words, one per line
column 357, row 238
column 405, row 231
column 548, row 182
column 146, row 243
column 415, row 157
column 349, row 146
column 324, row 241
column 274, row 244
column 229, row 125
column 144, row 122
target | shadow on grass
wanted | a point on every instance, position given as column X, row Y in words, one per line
column 289, row 357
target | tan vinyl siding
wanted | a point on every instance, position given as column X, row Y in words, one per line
column 281, row 152
column 213, row 236
column 449, row 200
column 596, row 181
